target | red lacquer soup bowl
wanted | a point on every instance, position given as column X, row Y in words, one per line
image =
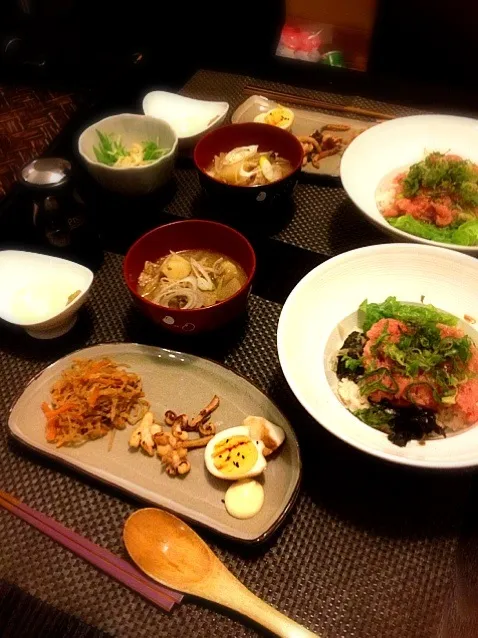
column 248, row 198
column 191, row 235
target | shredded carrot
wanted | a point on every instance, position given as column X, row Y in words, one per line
column 52, row 414
column 93, row 397
column 90, row 399
column 50, row 431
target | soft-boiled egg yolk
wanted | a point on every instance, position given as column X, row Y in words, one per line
column 235, row 456
column 244, row 499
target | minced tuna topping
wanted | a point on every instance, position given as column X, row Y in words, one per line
column 436, row 199
column 415, row 371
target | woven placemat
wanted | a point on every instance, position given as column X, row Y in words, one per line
column 30, row 118
column 26, row 616
column 367, row 551
column 322, row 218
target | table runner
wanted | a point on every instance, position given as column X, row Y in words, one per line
column 356, row 557
column 369, row 548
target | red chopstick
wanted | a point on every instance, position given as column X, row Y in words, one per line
column 101, row 558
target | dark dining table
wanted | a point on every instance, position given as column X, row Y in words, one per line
column 369, row 550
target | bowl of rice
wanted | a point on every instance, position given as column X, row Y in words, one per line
column 381, row 349
column 416, row 178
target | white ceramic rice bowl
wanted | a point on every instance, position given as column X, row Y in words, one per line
column 308, row 336
column 396, row 144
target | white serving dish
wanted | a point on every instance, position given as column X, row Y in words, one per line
column 321, row 311
column 190, row 118
column 397, row 144
column 132, row 128
column 35, row 290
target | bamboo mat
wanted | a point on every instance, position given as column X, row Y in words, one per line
column 30, row 119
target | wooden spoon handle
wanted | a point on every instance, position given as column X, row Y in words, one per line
column 240, row 599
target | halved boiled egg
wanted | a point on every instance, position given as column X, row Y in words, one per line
column 278, row 116
column 232, row 454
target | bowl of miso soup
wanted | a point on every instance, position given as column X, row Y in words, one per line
column 249, row 166
column 191, row 276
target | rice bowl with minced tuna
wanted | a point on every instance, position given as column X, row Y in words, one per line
column 409, row 371
column 436, row 199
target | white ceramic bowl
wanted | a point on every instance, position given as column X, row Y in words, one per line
column 190, row 118
column 35, row 290
column 132, row 128
column 396, row 144
column 327, row 297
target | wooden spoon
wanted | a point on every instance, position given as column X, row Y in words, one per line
column 170, row 552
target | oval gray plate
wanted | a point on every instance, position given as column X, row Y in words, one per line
column 183, row 383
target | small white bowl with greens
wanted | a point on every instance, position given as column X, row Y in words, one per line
column 130, row 154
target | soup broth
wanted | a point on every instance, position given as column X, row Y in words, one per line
column 246, row 166
column 191, row 279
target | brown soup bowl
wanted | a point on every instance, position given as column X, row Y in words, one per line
column 249, row 199
column 191, row 234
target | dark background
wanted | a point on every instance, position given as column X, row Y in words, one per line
column 99, row 43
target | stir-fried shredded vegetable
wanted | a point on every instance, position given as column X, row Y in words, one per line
column 90, row 399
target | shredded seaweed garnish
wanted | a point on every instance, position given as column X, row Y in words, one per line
column 349, row 361
column 400, row 424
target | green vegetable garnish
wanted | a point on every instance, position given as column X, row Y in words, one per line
column 447, row 181
column 416, row 314
column 110, row 150
column 427, row 352
column 380, row 339
column 414, row 392
column 376, row 416
column 409, row 224
column 464, row 235
column 443, row 176
column 151, row 151
column 467, row 234
column 417, row 366
column 351, row 363
column 422, row 350
column 380, row 379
